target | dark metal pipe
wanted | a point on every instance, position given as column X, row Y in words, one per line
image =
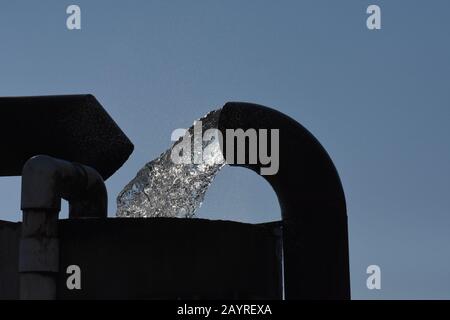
column 312, row 201
column 45, row 181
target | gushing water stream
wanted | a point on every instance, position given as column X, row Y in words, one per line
column 164, row 188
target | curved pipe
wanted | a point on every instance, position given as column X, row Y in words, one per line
column 312, row 201
column 45, row 181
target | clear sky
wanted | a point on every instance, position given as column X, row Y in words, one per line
column 379, row 102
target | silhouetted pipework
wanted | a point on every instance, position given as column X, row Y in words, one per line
column 312, row 201
column 125, row 258
column 45, row 182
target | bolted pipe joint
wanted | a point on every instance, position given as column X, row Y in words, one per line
column 45, row 181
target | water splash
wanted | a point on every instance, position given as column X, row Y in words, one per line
column 163, row 188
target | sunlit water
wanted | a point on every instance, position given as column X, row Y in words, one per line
column 163, row 188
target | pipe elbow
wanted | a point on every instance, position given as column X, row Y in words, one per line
column 40, row 176
column 47, row 180
column 311, row 197
column 92, row 201
column 306, row 180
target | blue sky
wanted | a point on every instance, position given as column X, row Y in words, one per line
column 379, row 102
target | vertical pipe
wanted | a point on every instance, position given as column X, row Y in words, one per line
column 278, row 233
column 45, row 181
column 39, row 255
